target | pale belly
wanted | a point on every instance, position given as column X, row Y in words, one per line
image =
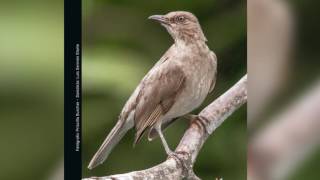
column 192, row 97
column 199, row 75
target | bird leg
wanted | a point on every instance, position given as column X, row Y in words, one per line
column 163, row 140
column 170, row 153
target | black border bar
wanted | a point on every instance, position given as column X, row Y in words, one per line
column 72, row 89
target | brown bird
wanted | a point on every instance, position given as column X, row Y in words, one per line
column 177, row 84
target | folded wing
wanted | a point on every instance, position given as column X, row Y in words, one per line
column 157, row 95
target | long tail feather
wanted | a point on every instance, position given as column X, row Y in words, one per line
column 113, row 138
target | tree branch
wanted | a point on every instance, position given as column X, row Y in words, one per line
column 292, row 135
column 180, row 166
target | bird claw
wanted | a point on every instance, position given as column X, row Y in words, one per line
column 173, row 155
column 190, row 116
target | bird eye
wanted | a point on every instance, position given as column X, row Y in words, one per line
column 180, row 18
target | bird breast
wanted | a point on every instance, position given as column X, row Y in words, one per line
column 199, row 70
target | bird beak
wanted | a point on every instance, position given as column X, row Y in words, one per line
column 160, row 18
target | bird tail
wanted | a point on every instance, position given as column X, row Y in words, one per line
column 113, row 138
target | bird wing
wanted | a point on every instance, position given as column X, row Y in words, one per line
column 157, row 95
column 132, row 101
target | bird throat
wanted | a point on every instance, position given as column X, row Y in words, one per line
column 193, row 43
column 191, row 37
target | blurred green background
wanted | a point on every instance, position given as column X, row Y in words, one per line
column 31, row 88
column 120, row 45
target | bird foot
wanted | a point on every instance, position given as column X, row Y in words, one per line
column 190, row 116
column 173, row 155
column 178, row 156
column 170, row 152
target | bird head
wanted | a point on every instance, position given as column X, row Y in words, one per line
column 181, row 25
